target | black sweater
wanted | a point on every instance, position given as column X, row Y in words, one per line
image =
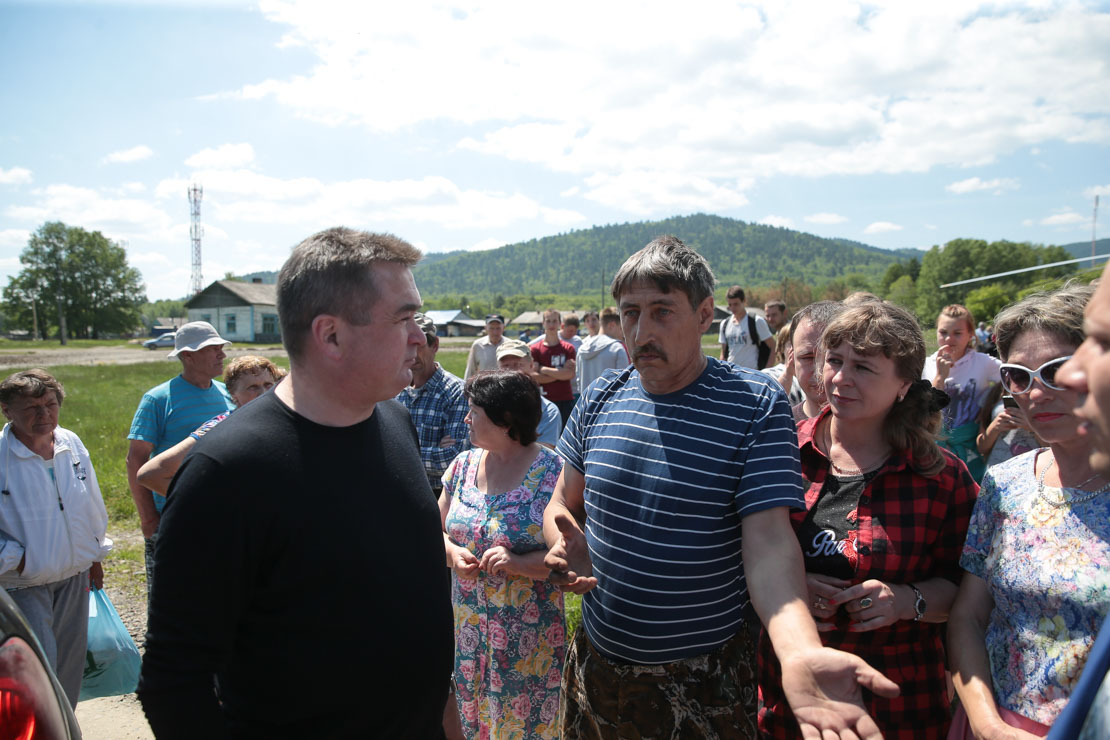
column 303, row 566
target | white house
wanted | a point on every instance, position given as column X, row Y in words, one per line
column 241, row 312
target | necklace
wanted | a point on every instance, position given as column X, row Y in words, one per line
column 848, row 471
column 1061, row 502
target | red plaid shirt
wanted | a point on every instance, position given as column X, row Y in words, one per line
column 908, row 528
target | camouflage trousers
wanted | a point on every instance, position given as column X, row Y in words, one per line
column 707, row 696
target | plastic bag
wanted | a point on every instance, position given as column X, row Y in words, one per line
column 112, row 661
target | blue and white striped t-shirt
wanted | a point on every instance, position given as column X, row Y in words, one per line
column 668, row 480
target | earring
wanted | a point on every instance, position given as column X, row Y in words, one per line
column 901, row 398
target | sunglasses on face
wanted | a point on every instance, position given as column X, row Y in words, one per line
column 1018, row 379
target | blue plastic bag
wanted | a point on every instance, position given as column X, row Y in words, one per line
column 112, row 661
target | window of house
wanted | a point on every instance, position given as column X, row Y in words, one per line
column 231, row 323
column 269, row 323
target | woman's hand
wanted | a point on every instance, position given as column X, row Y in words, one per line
column 944, row 366
column 821, row 591
column 874, row 604
column 497, row 561
column 464, row 563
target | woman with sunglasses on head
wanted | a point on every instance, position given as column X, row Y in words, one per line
column 967, row 377
column 1037, row 558
column 887, row 512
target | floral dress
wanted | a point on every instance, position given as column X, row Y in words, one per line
column 1048, row 570
column 509, row 630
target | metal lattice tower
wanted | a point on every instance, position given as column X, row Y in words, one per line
column 196, row 192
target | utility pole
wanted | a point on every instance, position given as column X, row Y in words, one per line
column 196, row 192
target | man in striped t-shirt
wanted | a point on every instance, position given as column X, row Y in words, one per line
column 671, row 509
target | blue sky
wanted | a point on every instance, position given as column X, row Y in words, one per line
column 471, row 125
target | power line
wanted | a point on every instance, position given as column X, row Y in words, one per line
column 1090, row 259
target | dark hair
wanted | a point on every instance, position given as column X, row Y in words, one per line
column 332, row 273
column 571, row 321
column 735, row 292
column 882, row 327
column 610, row 315
column 780, row 304
column 1056, row 312
column 34, row 383
column 510, row 399
column 670, row 265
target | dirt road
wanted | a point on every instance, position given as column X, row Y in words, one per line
column 46, row 355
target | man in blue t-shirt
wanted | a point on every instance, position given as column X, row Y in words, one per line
column 672, row 508
column 167, row 414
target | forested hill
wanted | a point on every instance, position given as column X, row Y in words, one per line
column 576, row 263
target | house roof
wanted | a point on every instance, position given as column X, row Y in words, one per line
column 536, row 317
column 442, row 318
column 219, row 292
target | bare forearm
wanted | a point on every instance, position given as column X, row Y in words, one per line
column 530, row 564
column 140, row 494
column 775, row 574
column 971, row 672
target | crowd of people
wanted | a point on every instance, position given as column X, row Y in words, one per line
column 824, row 532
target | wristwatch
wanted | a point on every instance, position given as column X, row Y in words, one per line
column 918, row 604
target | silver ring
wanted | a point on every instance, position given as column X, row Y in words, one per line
column 817, row 604
column 865, row 602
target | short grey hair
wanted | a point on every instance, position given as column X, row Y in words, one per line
column 820, row 314
column 670, row 265
column 331, row 273
column 1056, row 312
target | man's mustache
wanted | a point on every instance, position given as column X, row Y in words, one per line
column 649, row 349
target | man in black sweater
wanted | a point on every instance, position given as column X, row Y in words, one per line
column 301, row 589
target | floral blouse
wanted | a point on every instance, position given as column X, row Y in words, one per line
column 1048, row 570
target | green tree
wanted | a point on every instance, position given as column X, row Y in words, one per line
column 985, row 302
column 80, row 281
column 903, row 292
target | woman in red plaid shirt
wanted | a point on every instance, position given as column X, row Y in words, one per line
column 887, row 512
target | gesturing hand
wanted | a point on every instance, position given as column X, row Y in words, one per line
column 569, row 559
column 823, row 686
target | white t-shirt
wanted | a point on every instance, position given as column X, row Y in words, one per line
column 742, row 351
column 967, row 385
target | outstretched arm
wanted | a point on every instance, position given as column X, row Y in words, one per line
column 822, row 685
column 157, row 472
column 568, row 556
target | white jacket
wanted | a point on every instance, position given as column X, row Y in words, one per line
column 61, row 526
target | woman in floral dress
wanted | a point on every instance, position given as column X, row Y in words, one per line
column 509, row 626
column 1037, row 558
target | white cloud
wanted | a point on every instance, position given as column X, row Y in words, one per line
column 825, row 218
column 646, row 193
column 15, row 176
column 1066, row 218
column 14, row 238
column 780, row 221
column 1094, row 190
column 1027, row 222
column 881, row 227
column 134, row 154
column 486, row 244
column 974, row 184
column 931, row 227
column 742, row 93
column 222, row 157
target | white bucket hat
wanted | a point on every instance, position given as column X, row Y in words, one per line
column 195, row 335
